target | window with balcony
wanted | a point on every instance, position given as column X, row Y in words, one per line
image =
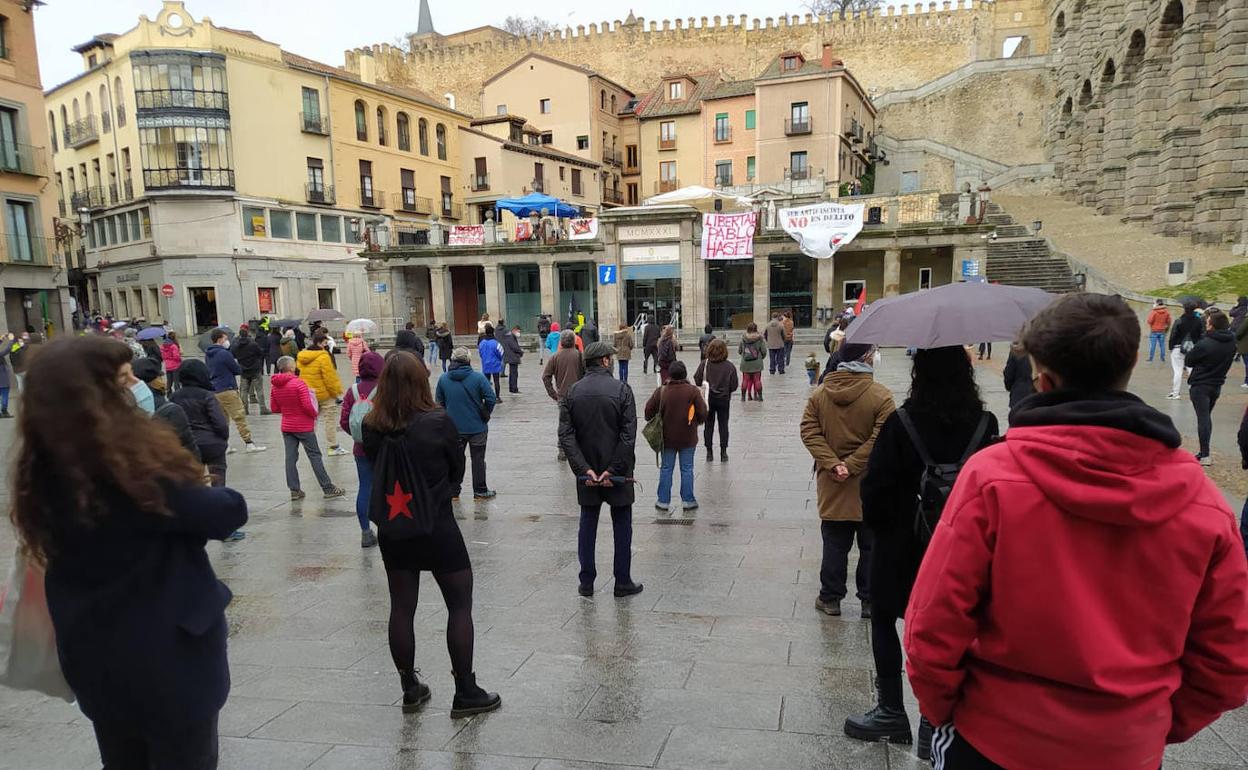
column 20, row 242
column 196, row 154
column 799, row 119
column 667, row 135
column 361, row 121
column 312, row 120
column 106, row 117
column 539, row 182
column 367, row 194
column 165, row 80
column 576, row 182
column 723, row 173
column 723, row 132
column 407, row 187
column 119, row 95
column 797, row 166
column 440, row 136
column 667, row 176
column 543, row 106
column 404, row 131
column 317, row 191
column 422, row 130
column 381, row 126
column 448, row 198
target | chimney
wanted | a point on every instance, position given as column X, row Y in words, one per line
column 368, row 66
column 827, row 56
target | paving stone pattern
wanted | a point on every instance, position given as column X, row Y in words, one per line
column 721, row 663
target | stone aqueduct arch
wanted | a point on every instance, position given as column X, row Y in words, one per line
column 1146, row 125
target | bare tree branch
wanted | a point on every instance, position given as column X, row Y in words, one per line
column 841, row 8
column 533, row 25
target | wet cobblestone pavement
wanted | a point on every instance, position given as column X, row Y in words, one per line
column 722, row 662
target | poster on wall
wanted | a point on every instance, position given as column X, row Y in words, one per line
column 467, row 235
column 728, row 236
column 524, row 230
column 822, row 229
column 264, row 298
column 582, row 229
column 257, row 226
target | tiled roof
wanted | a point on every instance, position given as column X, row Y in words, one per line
column 539, row 150
column 104, row 38
column 405, row 92
column 657, row 107
column 808, row 68
column 734, row 88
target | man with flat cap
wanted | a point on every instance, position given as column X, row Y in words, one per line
column 597, row 432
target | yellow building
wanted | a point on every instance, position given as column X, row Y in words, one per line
column 574, row 110
column 220, row 177
column 33, row 273
column 672, row 142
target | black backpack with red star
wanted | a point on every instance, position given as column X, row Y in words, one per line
column 402, row 504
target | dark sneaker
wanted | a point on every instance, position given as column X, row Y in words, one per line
column 367, row 539
column 334, row 492
column 829, row 607
column 627, row 589
column 585, row 590
column 866, row 610
column 689, row 506
column 923, row 747
column 235, row 536
column 723, row 455
column 471, row 699
column 486, row 495
column 710, row 455
column 297, row 494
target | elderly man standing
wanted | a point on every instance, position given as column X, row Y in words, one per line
column 597, row 432
column 563, row 370
column 842, row 419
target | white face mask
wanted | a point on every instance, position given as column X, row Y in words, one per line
column 225, row 344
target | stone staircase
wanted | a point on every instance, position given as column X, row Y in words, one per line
column 1018, row 259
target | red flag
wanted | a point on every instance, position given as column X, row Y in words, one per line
column 862, row 298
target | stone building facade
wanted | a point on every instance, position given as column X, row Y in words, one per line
column 1150, row 117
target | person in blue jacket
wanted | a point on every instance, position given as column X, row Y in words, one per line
column 469, row 400
column 491, row 352
column 119, row 516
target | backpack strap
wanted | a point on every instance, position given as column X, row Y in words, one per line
column 919, row 446
column 977, row 438
column 355, row 391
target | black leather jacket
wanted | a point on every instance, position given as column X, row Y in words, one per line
column 598, row 430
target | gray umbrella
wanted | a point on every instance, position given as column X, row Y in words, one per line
column 954, row 314
column 325, row 314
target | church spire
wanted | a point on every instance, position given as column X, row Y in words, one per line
column 425, row 25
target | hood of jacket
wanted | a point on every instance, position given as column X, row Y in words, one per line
column 371, row 365
column 405, row 339
column 444, row 332
column 194, row 374
column 1106, row 457
column 1224, row 336
column 308, row 355
column 282, row 379
column 847, row 387
column 752, row 337
column 459, row 371
column 213, row 351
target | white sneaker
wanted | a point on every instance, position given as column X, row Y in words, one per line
column 1174, row 397
column 336, row 452
column 1244, row 386
column 230, row 450
column 1206, row 461
column 255, row 448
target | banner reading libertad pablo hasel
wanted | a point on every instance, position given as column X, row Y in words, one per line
column 728, row 236
column 822, row 229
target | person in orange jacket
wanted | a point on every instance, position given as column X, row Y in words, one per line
column 1158, row 325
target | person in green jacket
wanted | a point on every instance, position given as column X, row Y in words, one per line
column 753, row 350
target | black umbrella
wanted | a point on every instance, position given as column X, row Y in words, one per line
column 285, row 323
column 326, row 314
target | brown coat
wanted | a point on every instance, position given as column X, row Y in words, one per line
column 774, row 333
column 842, row 419
column 624, row 345
column 562, row 371
column 674, row 399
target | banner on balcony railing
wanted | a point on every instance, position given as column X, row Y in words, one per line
column 582, row 229
column 728, row 236
column 822, row 229
column 467, row 235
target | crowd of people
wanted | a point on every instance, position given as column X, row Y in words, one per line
column 999, row 552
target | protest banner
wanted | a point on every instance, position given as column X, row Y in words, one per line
column 728, row 236
column 822, row 228
column 467, row 235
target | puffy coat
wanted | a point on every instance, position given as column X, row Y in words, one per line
column 512, row 353
column 249, row 355
column 316, row 367
column 843, row 417
column 446, row 344
column 752, row 344
column 623, row 340
column 290, row 397
column 171, row 356
column 683, row 410
column 890, row 491
column 203, row 411
column 1084, row 600
column 1158, row 319
column 491, row 352
column 356, row 347
column 371, row 365
column 223, row 368
column 598, row 431
column 1211, row 359
column 465, row 393
column 175, row 417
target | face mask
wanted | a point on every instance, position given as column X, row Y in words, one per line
column 225, row 344
column 143, row 397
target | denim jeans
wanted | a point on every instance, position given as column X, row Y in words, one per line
column 587, row 539
column 4, row 399
column 1157, row 344
column 838, row 538
column 686, row 475
column 623, row 368
column 364, row 472
column 788, row 352
column 1204, row 399
column 431, row 353
column 292, row 442
column 476, row 448
column 776, row 356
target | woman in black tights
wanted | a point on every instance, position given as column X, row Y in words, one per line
column 403, row 408
column 945, row 410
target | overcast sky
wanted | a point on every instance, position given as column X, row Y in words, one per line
column 323, row 29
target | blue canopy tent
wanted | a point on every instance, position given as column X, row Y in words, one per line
column 533, row 203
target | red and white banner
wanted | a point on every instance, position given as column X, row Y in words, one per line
column 524, row 230
column 728, row 236
column 582, row 229
column 822, row 228
column 467, row 235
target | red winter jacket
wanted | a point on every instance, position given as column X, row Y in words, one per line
column 290, row 397
column 1084, row 601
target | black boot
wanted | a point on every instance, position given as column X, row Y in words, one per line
column 471, row 699
column 923, row 748
column 415, row 692
column 723, row 454
column 885, row 722
column 743, row 395
column 758, row 396
column 4, row 414
column 710, row 454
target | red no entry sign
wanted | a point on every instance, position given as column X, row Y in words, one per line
column 167, row 290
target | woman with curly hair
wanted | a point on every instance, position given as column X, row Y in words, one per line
column 119, row 513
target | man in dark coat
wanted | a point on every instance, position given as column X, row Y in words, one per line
column 1210, row 360
column 512, row 353
column 1017, row 376
column 406, row 339
column 650, row 345
column 250, row 357
column 597, row 432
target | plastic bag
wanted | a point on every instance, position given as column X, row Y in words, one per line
column 28, row 658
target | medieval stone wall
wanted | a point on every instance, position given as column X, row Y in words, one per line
column 1150, row 119
column 897, row 47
